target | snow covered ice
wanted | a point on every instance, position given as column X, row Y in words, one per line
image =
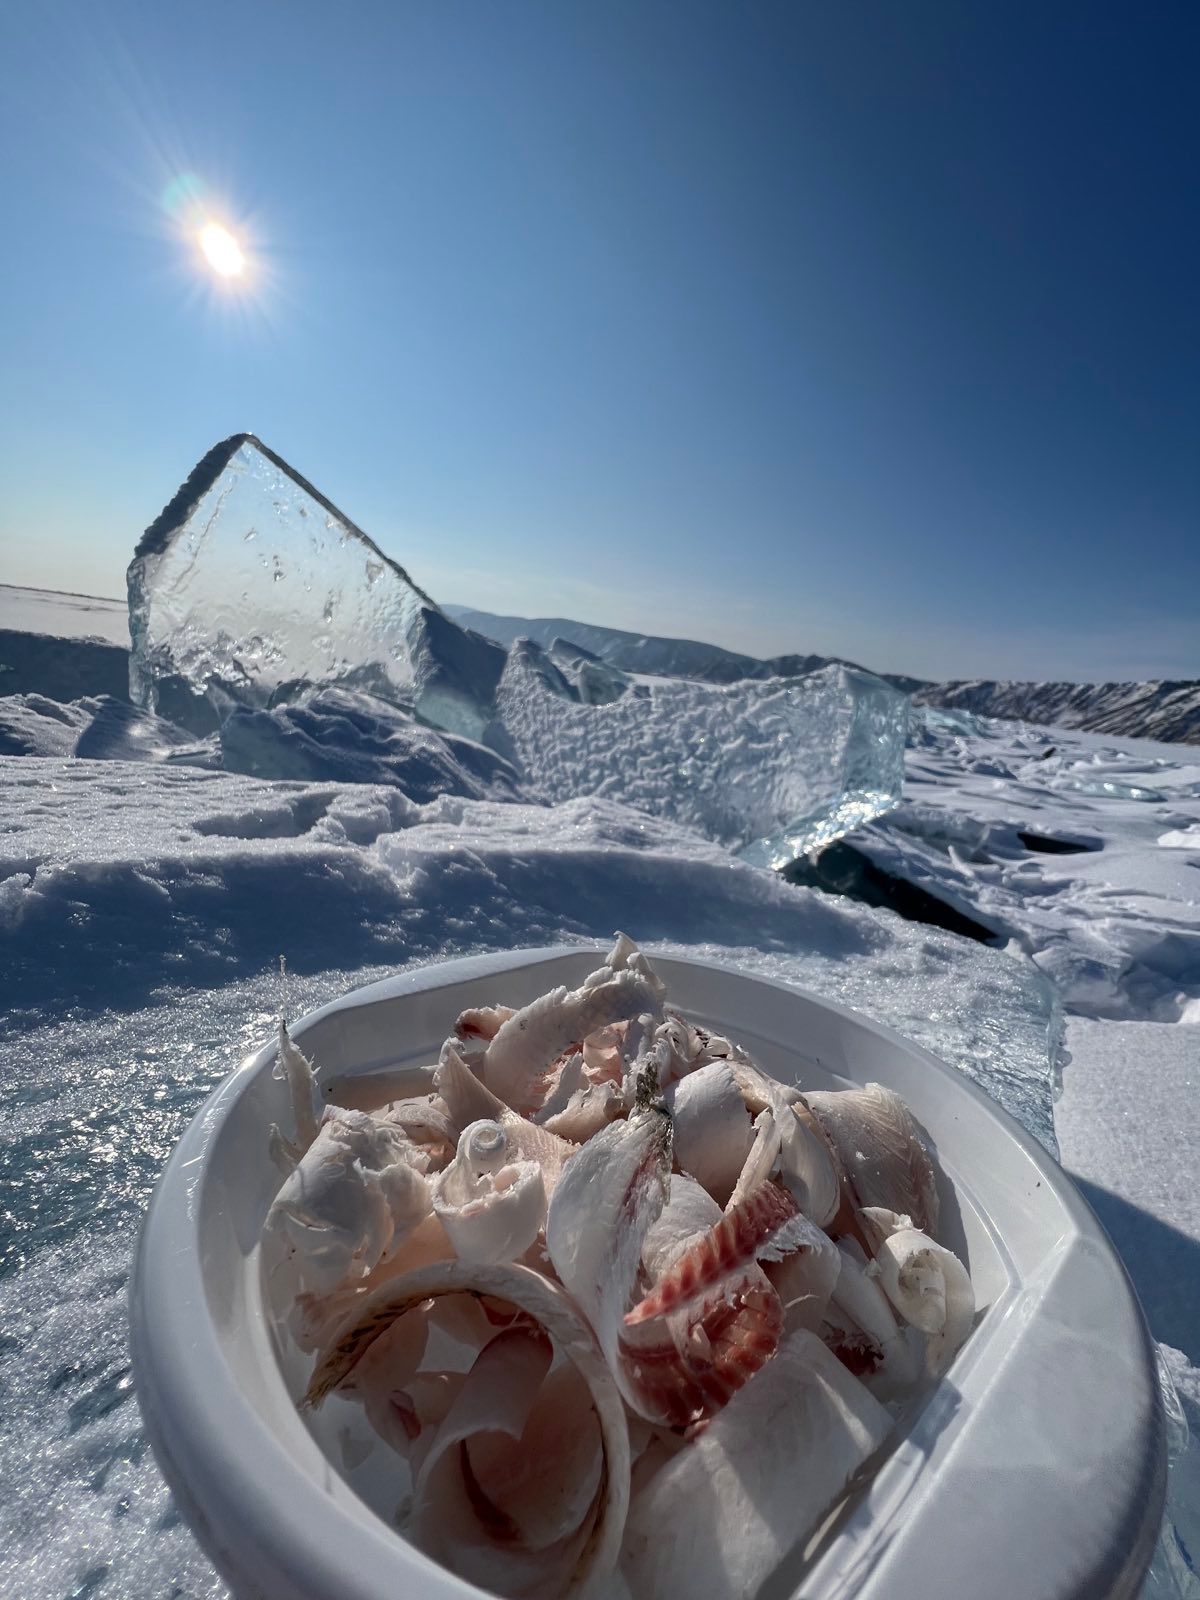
column 770, row 768
column 250, row 581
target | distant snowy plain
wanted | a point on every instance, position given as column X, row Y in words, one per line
column 144, row 900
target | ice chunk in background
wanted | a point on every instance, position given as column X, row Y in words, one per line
column 251, row 590
column 594, row 681
column 771, row 767
column 250, row 582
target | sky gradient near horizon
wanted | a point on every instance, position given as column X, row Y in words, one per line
column 872, row 330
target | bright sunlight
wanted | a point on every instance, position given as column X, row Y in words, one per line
column 222, row 250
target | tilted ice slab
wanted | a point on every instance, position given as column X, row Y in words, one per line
column 772, row 768
column 251, row 582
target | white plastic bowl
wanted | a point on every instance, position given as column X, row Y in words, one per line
column 1036, row 1468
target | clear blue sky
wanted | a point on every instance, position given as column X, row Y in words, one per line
column 868, row 328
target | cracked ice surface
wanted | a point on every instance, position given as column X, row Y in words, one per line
column 772, row 767
column 250, row 582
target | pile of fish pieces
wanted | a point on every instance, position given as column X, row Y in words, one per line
column 633, row 1311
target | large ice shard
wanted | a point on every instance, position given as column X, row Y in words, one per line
column 251, row 584
column 771, row 767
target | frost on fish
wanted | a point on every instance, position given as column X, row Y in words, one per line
column 720, row 1516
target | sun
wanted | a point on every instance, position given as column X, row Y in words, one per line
column 222, row 251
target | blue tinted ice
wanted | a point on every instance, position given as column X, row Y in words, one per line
column 771, row 767
column 251, row 583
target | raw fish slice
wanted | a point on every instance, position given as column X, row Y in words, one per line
column 315, row 1318
column 858, row 1296
column 689, row 1213
column 603, row 1053
column 419, row 1409
column 927, row 1284
column 350, row 1203
column 611, row 1192
column 294, row 1065
column 713, row 1132
column 719, row 1517
column 805, row 1280
column 715, row 1047
column 382, row 1379
column 881, row 1151
column 491, row 1205
column 759, row 1089
column 765, row 1225
column 426, row 1122
column 503, row 1565
column 468, row 1100
column 677, row 1049
column 497, row 1397
column 681, row 1370
column 625, row 956
column 453, row 1515
column 692, row 1047
column 519, row 1058
column 599, row 1541
column 808, row 1165
column 590, row 1108
column 481, row 1022
column 547, row 1484
column 569, row 1079
column 761, row 1157
column 686, row 1364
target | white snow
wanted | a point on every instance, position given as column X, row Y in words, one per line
column 1130, row 1105
column 143, row 904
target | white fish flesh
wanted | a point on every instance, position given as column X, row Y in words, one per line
column 719, row 1517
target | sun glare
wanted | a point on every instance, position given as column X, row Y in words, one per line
column 223, row 252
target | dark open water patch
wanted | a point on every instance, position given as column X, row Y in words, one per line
column 841, row 868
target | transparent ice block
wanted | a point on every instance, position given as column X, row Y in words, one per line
column 251, row 583
column 772, row 767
